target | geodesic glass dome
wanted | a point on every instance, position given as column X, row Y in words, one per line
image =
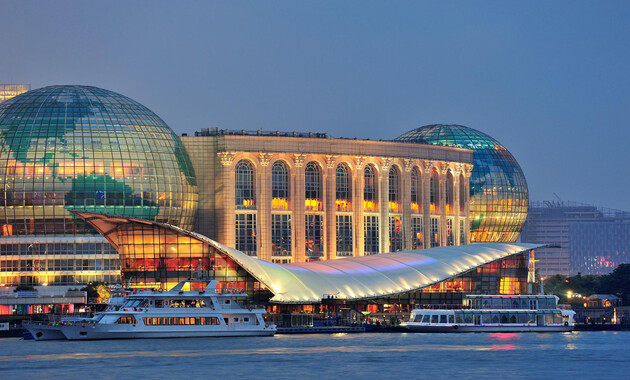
column 498, row 190
column 84, row 148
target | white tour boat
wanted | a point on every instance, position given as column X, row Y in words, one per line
column 171, row 314
column 495, row 313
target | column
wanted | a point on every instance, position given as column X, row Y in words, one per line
column 297, row 180
column 264, row 207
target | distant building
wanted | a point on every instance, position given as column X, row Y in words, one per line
column 592, row 240
column 8, row 91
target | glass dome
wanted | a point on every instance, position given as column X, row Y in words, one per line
column 84, row 148
column 498, row 191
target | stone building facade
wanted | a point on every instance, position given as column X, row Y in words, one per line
column 295, row 197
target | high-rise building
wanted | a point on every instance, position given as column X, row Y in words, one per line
column 591, row 240
column 8, row 91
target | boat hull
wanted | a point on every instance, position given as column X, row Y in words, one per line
column 42, row 331
column 107, row 332
column 484, row 328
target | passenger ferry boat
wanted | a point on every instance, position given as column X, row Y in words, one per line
column 495, row 313
column 172, row 314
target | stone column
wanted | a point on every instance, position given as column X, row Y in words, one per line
column 225, row 200
column 467, row 173
column 384, row 204
column 357, row 205
column 406, row 204
column 426, row 202
column 297, row 180
column 456, row 199
column 264, row 207
column 443, row 172
column 330, row 209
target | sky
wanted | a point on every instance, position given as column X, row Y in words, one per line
column 550, row 80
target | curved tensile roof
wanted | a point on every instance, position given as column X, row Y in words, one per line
column 349, row 278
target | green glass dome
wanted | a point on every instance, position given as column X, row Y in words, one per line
column 498, row 190
column 84, row 148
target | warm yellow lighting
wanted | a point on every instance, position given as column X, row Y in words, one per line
column 394, row 207
column 415, row 208
column 248, row 203
column 343, row 205
column 370, row 206
column 313, row 204
column 279, row 204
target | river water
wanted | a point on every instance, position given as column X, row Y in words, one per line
column 576, row 355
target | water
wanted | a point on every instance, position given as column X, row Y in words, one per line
column 384, row 355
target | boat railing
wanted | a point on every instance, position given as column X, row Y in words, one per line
column 442, row 307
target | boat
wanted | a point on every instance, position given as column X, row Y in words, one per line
column 495, row 313
column 200, row 311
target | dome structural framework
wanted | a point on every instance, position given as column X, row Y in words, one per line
column 84, row 148
column 499, row 195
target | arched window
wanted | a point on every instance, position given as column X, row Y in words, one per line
column 435, row 191
column 416, row 191
column 370, row 189
column 279, row 186
column 450, row 194
column 343, row 188
column 244, row 186
column 312, row 187
column 394, row 190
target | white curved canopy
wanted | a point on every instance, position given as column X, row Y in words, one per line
column 349, row 278
column 371, row 276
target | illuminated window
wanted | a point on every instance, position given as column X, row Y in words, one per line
column 370, row 189
column 395, row 234
column 462, row 233
column 449, row 232
column 281, row 234
column 394, row 190
column 416, row 191
column 417, row 230
column 314, row 231
column 344, row 235
column 450, row 194
column 246, row 233
column 343, row 188
column 244, row 186
column 279, row 186
column 435, row 232
column 312, row 187
column 371, row 230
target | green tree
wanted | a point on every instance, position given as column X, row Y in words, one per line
column 617, row 282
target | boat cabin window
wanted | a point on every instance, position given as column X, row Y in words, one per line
column 126, row 321
column 159, row 303
column 418, row 318
column 136, row 303
column 443, row 318
column 434, row 318
column 227, row 302
column 246, row 319
column 459, row 318
column 451, row 319
column 187, row 303
column 157, row 321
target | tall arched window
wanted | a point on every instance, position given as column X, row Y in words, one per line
column 450, row 194
column 343, row 188
column 244, row 186
column 312, row 187
column 416, row 191
column 279, row 186
column 394, row 190
column 435, row 191
column 370, row 189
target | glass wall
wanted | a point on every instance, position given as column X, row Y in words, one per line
column 498, row 190
column 344, row 235
column 371, row 231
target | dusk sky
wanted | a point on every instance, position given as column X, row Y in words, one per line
column 549, row 80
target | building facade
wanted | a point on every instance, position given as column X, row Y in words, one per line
column 290, row 197
column 590, row 240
